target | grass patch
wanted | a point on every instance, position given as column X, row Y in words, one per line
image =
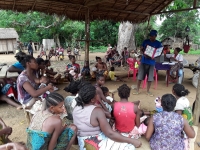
column 191, row 52
column 101, row 49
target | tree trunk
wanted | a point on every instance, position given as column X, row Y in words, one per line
column 57, row 40
column 126, row 36
column 196, row 112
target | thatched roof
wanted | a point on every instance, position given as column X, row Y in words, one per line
column 117, row 10
column 8, row 33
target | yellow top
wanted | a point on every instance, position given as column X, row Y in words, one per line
column 112, row 75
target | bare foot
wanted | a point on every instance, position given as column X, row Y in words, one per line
column 19, row 107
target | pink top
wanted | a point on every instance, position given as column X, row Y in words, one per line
column 124, row 116
column 81, row 118
column 60, row 50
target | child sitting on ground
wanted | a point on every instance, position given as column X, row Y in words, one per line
column 127, row 114
column 86, row 71
column 53, row 76
column 112, row 75
column 183, row 107
column 105, row 91
column 158, row 105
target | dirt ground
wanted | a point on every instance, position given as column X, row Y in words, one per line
column 16, row 119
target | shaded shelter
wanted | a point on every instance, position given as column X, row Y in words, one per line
column 86, row 10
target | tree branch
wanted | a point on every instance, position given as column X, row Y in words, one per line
column 53, row 24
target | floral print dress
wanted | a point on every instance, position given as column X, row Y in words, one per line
column 168, row 129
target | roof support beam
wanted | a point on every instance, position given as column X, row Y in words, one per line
column 13, row 5
column 87, row 34
column 125, row 11
column 94, row 2
column 33, row 5
column 173, row 11
column 194, row 3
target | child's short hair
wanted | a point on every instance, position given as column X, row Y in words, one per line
column 112, row 68
column 98, row 76
column 46, row 61
column 104, row 90
column 124, row 91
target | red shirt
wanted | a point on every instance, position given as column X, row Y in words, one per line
column 124, row 116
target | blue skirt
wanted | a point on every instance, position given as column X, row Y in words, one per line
column 39, row 140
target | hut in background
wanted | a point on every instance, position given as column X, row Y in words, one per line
column 178, row 42
column 8, row 40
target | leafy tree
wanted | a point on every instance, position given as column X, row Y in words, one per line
column 36, row 26
column 175, row 23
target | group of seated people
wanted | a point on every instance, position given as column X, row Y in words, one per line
column 57, row 52
column 94, row 117
column 113, row 57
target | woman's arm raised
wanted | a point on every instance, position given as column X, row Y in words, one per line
column 35, row 93
column 106, row 129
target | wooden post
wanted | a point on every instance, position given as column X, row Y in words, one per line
column 196, row 114
column 87, row 35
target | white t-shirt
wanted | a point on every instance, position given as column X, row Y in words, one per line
column 182, row 103
column 179, row 57
column 109, row 98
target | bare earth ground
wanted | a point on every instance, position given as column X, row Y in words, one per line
column 15, row 118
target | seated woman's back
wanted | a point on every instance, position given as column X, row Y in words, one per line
column 82, row 121
column 124, row 116
column 46, row 130
column 165, row 129
column 167, row 124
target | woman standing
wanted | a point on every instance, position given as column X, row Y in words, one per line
column 165, row 128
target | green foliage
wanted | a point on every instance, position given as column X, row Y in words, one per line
column 105, row 31
column 191, row 52
column 143, row 30
column 175, row 23
column 36, row 26
column 101, row 49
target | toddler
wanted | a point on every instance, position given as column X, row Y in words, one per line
column 112, row 75
column 105, row 91
column 44, row 81
column 158, row 105
column 86, row 70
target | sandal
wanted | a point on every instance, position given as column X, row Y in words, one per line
column 136, row 93
column 149, row 94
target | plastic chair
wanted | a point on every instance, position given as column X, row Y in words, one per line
column 156, row 80
column 131, row 62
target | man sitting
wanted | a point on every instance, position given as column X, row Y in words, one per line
column 116, row 59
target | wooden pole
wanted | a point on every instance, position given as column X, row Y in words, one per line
column 87, row 35
column 196, row 114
